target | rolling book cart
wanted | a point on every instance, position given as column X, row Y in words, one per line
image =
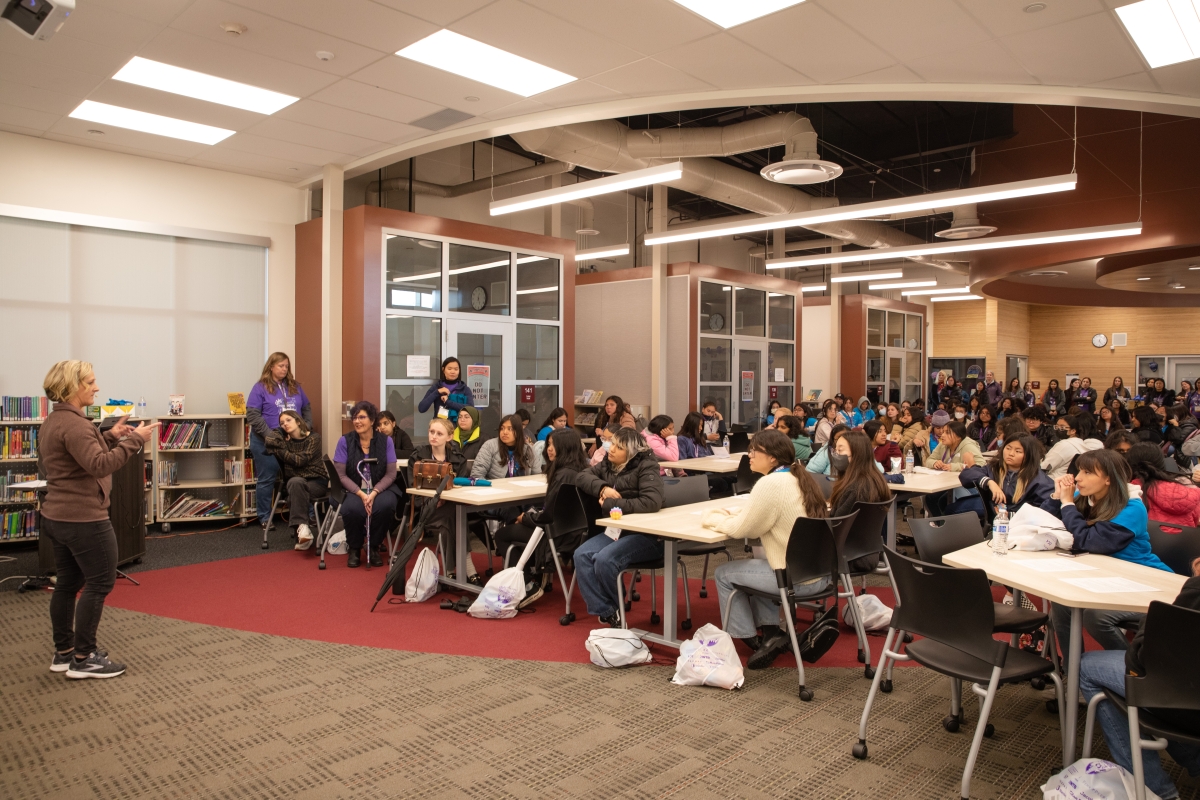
column 201, row 471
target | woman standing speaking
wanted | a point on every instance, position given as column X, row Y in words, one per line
column 78, row 462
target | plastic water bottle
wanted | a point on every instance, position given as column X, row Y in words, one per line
column 725, row 443
column 141, row 408
column 910, row 461
column 1000, row 531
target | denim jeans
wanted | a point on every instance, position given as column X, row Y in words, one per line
column 1106, row 669
column 85, row 557
column 266, row 470
column 747, row 613
column 1100, row 623
column 599, row 560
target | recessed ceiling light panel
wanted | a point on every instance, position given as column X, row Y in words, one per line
column 728, row 13
column 149, row 123
column 801, row 171
column 460, row 55
column 1165, row 31
column 189, row 83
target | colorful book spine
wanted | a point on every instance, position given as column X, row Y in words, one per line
column 16, row 495
column 18, row 442
column 19, row 524
column 24, row 408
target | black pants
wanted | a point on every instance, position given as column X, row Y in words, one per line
column 301, row 492
column 383, row 516
column 516, row 535
column 85, row 557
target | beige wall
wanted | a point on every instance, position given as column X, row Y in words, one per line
column 959, row 330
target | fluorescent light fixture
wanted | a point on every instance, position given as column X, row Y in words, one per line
column 602, row 252
column 726, row 288
column 962, row 246
column 494, row 264
column 816, row 287
column 536, row 291
column 1165, row 31
column 922, row 202
column 728, row 13
column 902, row 285
column 858, row 276
column 149, row 123
column 453, row 52
column 421, row 277
column 952, row 297
column 918, row 292
column 613, row 183
column 1143, row 279
column 177, row 80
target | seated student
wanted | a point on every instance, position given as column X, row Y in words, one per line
column 1083, row 401
column 565, row 459
column 793, row 428
column 386, row 424
column 509, row 455
column 1120, row 412
column 1167, row 497
column 1146, row 425
column 609, row 413
column 914, row 434
column 830, row 416
column 1121, row 441
column 849, row 415
column 1069, row 445
column 1010, row 407
column 784, row 493
column 660, row 438
column 1011, row 428
column 983, row 429
column 886, row 446
column 526, row 428
column 865, row 413
column 973, row 407
column 891, row 417
column 467, row 433
column 1108, row 424
column 1180, row 425
column 1037, row 425
column 1116, row 392
column 1012, row 477
column 714, row 424
column 442, row 448
column 603, row 443
column 693, row 444
column 773, row 409
column 299, row 451
column 628, row 479
column 953, row 446
column 366, row 494
column 959, row 412
column 554, row 420
column 1106, row 669
column 859, row 481
column 819, row 463
column 1054, row 399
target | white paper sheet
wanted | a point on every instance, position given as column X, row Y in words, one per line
column 539, row 484
column 417, row 366
column 1061, row 564
column 927, row 471
column 1108, row 585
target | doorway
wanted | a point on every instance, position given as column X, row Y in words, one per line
column 1016, row 367
column 488, row 348
column 750, row 361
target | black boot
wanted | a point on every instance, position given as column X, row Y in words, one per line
column 354, row 559
column 375, row 560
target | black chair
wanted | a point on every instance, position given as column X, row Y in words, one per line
column 337, row 496
column 746, row 477
column 1169, row 654
column 825, row 482
column 739, row 442
column 1177, row 550
column 567, row 530
column 811, row 554
column 862, row 541
column 682, row 492
column 958, row 641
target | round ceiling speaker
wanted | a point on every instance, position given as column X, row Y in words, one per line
column 800, row 171
column 966, row 232
column 587, row 231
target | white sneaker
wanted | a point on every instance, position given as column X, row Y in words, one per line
column 304, row 538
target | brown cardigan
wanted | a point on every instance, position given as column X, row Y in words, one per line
column 79, row 462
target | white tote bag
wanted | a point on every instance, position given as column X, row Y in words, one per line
column 1033, row 528
column 337, row 544
column 506, row 589
column 709, row 659
column 873, row 612
column 1092, row 779
column 422, row 584
column 617, row 647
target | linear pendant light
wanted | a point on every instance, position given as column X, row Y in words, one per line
column 916, row 292
column 149, row 123
column 602, row 252
column 952, row 297
column 923, row 202
column 613, row 183
column 814, row 287
column 858, row 276
column 966, row 246
column 902, row 285
column 189, row 83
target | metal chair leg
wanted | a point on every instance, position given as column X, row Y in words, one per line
column 859, row 750
column 805, row 693
column 621, row 598
column 703, row 579
column 984, row 711
column 686, row 624
column 863, row 645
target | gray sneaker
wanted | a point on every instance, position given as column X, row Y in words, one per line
column 61, row 662
column 96, row 665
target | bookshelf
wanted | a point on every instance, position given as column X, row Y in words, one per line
column 587, row 408
column 19, row 517
column 200, row 470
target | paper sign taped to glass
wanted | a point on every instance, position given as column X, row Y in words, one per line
column 479, row 381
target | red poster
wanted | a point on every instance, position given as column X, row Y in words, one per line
column 774, row 392
column 527, row 394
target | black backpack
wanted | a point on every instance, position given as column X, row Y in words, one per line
column 820, row 636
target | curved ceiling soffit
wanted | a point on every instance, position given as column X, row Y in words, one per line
column 1152, row 102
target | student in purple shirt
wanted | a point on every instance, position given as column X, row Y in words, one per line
column 369, row 509
column 276, row 391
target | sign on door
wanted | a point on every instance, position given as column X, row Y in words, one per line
column 479, row 381
column 747, row 386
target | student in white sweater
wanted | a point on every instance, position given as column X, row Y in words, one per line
column 1069, row 445
column 786, row 491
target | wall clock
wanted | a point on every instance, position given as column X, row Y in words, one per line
column 479, row 298
column 716, row 322
column 1099, row 340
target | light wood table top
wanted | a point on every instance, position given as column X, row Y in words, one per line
column 502, row 490
column 1011, row 570
column 707, row 463
column 680, row 522
column 924, row 483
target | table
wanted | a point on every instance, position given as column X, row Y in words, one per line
column 672, row 525
column 1009, row 571
column 918, row 483
column 502, row 493
column 707, row 463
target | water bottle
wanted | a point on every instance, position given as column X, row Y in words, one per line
column 141, row 408
column 1000, row 531
column 725, row 443
column 910, row 461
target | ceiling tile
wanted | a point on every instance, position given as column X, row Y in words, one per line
column 982, row 62
column 577, row 93
column 1081, row 51
column 810, row 40
column 1181, row 79
column 908, row 29
column 64, row 51
column 649, row 76
column 343, row 120
column 728, row 63
column 260, row 145
column 441, row 13
column 46, row 76
column 367, row 99
column 24, row 96
column 239, row 161
column 298, row 133
column 274, row 38
column 139, row 98
column 435, row 86
column 558, row 44
column 157, row 11
column 1006, row 17
column 102, row 25
column 660, row 24
column 1137, row 82
column 894, row 74
column 517, row 109
column 100, row 144
column 27, row 117
column 370, row 24
column 21, row 129
column 146, row 143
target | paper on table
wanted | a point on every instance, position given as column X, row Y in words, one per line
column 1108, row 585
column 1053, row 564
column 927, row 471
column 540, row 484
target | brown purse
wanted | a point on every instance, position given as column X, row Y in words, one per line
column 429, row 474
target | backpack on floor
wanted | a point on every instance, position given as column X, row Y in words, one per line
column 709, row 659
column 820, row 636
column 422, row 584
column 617, row 647
column 506, row 589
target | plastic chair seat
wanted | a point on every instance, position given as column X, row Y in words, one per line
column 1011, row 619
column 1018, row 665
column 774, row 594
column 1152, row 724
column 702, row 549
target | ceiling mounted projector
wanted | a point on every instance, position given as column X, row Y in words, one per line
column 800, row 171
column 965, row 231
column 37, row 19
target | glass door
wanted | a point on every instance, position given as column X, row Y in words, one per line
column 749, row 384
column 485, row 350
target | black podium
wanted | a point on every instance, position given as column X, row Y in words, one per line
column 126, row 510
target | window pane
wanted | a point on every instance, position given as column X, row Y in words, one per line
column 874, row 366
column 714, row 308
column 912, row 372
column 782, row 315
column 784, row 395
column 714, row 359
column 537, row 287
column 750, row 312
column 874, row 327
column 779, row 357
column 895, row 329
column 912, row 392
column 412, row 336
column 478, row 280
column 402, row 402
column 485, row 349
column 545, row 400
column 537, row 353
column 914, row 330
column 718, row 395
column 414, row 274
column 875, row 393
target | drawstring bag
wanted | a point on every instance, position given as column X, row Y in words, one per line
column 1092, row 779
column 1033, row 528
column 506, row 589
column 872, row 611
column 337, row 544
column 422, row 584
column 709, row 659
column 617, row 647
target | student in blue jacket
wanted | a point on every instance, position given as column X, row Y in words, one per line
column 449, row 394
column 1095, row 506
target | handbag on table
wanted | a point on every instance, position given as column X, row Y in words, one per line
column 429, row 474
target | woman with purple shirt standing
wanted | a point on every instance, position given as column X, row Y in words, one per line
column 276, row 391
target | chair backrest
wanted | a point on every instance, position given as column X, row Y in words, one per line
column 337, row 492
column 825, row 482
column 812, row 548
column 568, row 515
column 467, row 469
column 865, row 536
column 1177, row 550
column 739, row 442
column 950, row 606
column 937, row 536
column 746, row 477
column 684, row 491
column 1170, row 649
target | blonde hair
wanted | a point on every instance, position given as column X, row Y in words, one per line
column 64, row 379
column 268, row 380
column 446, row 424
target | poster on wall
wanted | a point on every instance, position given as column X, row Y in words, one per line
column 1071, row 376
column 417, row 366
column 479, row 381
column 778, row 375
column 747, row 386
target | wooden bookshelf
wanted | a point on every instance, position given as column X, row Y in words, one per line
column 200, row 471
column 18, row 464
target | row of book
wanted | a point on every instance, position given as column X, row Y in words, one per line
column 590, row 397
column 190, row 506
column 19, row 524
column 239, row 470
column 168, row 472
column 24, row 408
column 182, row 436
column 16, row 495
column 18, row 442
column 586, row 418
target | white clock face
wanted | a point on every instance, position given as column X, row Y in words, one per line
column 1099, row 340
column 478, row 298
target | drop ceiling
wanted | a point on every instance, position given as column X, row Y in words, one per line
column 630, row 56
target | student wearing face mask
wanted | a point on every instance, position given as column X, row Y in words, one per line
column 603, row 444
column 858, row 481
column 960, row 412
column 1069, row 444
column 825, row 460
column 714, row 424
column 1009, row 429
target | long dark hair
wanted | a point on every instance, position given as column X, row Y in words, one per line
column 659, row 423
column 1113, row 466
column 1029, row 467
column 446, row 362
column 860, row 472
column 1014, row 385
column 1146, row 418
column 778, row 446
column 553, row 415
column 1147, row 464
column 519, row 448
column 794, row 425
column 568, row 453
column 693, row 429
column 603, row 420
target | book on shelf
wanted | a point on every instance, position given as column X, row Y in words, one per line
column 168, row 473
column 237, row 403
column 182, row 436
column 24, row 409
column 190, row 506
column 248, row 470
column 590, row 397
column 8, row 478
column 18, row 441
column 235, row 470
column 19, row 524
column 585, row 418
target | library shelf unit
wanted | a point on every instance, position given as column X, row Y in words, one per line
column 24, row 466
column 592, row 410
column 201, row 471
